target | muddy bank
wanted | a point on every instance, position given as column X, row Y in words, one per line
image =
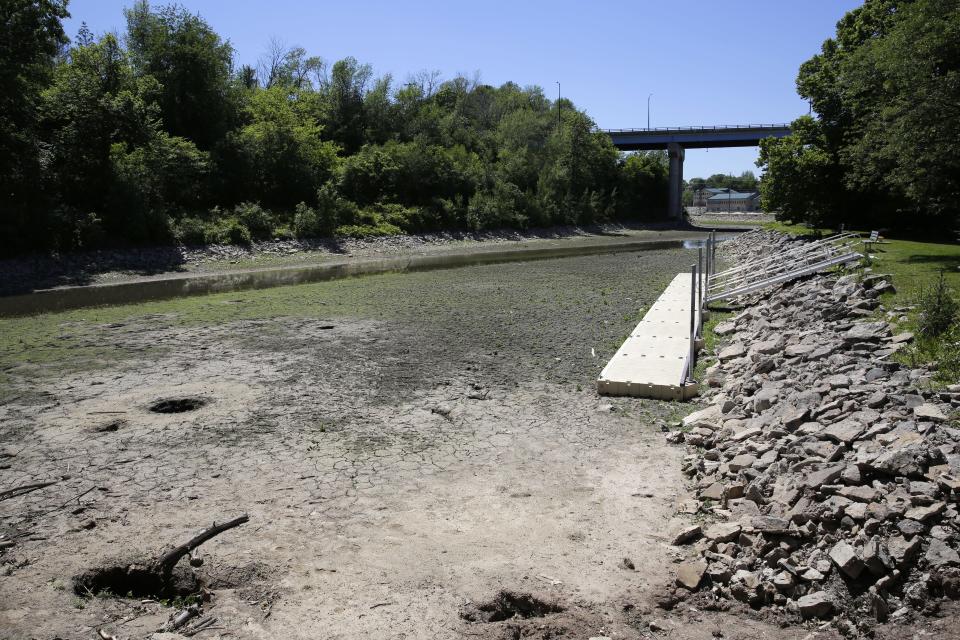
column 31, row 273
column 182, row 285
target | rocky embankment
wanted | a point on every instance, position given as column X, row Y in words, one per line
column 829, row 474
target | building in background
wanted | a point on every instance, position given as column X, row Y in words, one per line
column 701, row 195
column 729, row 200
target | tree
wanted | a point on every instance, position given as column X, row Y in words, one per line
column 278, row 158
column 31, row 37
column 193, row 66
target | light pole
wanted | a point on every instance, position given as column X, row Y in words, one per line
column 558, row 106
column 648, row 110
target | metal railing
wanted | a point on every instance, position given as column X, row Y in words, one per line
column 699, row 277
column 719, row 127
column 783, row 266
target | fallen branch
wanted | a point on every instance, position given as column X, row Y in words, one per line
column 105, row 636
column 197, row 628
column 164, row 564
column 26, row 488
column 181, row 618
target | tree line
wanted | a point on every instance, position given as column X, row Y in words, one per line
column 881, row 150
column 156, row 136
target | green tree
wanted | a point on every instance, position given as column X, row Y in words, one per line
column 31, row 36
column 279, row 158
column 193, row 66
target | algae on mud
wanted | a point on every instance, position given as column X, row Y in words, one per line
column 442, row 439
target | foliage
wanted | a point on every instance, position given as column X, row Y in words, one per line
column 31, row 36
column 155, row 137
column 881, row 152
column 938, row 310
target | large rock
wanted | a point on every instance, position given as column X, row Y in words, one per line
column 845, row 557
column 845, row 431
column 928, row 411
column 688, row 534
column 815, row 605
column 824, row 475
column 940, row 555
column 867, row 332
column 734, row 351
column 689, row 574
column 723, row 532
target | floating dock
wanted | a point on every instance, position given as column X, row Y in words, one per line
column 653, row 361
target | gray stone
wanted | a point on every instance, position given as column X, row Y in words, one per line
column 741, row 461
column 734, row 351
column 924, row 513
column 867, row 332
column 845, row 431
column 723, row 532
column 815, row 605
column 770, row 524
column 860, row 494
column 902, row 550
column 689, row 574
column 940, row 555
column 927, row 411
column 688, row 534
column 823, row 476
column 844, row 556
column 713, row 492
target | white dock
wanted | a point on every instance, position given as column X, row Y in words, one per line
column 652, row 362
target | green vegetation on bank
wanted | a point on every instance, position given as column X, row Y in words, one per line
column 158, row 136
column 882, row 149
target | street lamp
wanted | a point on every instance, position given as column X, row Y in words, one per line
column 558, row 105
column 648, row 110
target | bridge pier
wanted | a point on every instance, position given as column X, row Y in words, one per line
column 675, row 202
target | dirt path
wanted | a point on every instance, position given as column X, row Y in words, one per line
column 404, row 445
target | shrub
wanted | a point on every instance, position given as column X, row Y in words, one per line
column 938, row 310
column 229, row 231
column 256, row 219
column 190, row 231
column 368, row 230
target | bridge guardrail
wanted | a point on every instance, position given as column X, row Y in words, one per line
column 730, row 127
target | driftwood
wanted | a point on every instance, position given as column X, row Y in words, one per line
column 164, row 564
column 182, row 618
column 22, row 489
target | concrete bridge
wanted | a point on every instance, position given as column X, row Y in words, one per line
column 676, row 139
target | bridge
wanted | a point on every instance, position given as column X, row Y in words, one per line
column 676, row 139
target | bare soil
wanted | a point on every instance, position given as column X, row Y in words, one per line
column 409, row 448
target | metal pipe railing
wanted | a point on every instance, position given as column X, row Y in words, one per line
column 693, row 324
column 775, row 267
column 803, row 248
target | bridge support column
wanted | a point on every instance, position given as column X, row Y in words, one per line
column 675, row 206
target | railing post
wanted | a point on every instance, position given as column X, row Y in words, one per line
column 693, row 337
column 698, row 287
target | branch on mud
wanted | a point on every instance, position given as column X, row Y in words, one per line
column 23, row 489
column 164, row 564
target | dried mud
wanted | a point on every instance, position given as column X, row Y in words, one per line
column 404, row 446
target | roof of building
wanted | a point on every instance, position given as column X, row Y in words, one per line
column 734, row 195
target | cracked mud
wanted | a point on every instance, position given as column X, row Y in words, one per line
column 403, row 444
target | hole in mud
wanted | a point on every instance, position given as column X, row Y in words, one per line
column 110, row 426
column 177, row 405
column 327, row 327
column 135, row 581
column 507, row 605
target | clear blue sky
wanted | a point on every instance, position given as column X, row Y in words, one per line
column 706, row 62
